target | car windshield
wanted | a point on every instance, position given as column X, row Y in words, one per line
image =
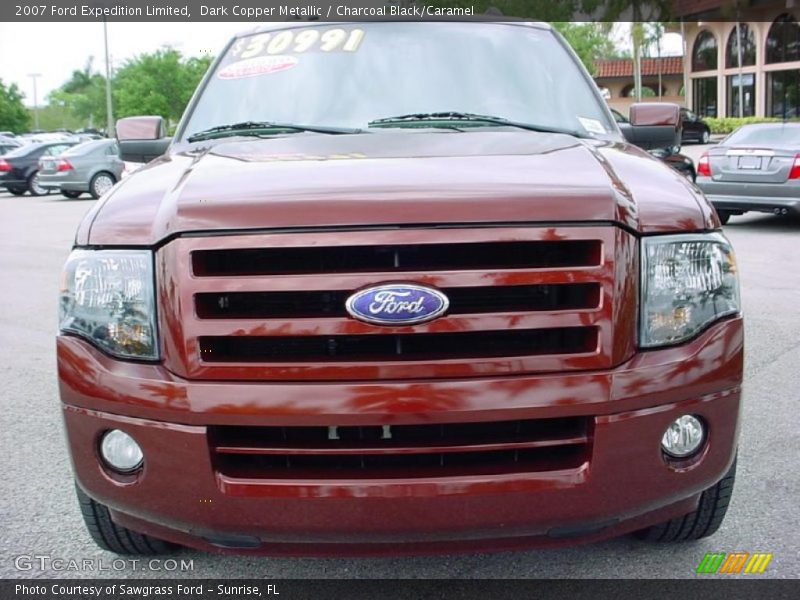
column 347, row 76
column 87, row 147
column 771, row 135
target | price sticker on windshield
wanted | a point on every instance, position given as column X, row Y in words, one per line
column 337, row 39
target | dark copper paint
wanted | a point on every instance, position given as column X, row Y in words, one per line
column 395, row 188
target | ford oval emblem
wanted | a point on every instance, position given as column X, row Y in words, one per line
column 397, row 304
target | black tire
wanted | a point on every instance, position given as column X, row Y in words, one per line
column 702, row 522
column 705, row 137
column 97, row 184
column 110, row 536
column 70, row 194
column 33, row 185
column 724, row 216
column 17, row 191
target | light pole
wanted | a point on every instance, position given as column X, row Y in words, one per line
column 109, row 110
column 33, row 76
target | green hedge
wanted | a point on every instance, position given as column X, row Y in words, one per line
column 732, row 123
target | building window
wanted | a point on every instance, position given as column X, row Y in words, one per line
column 783, row 40
column 743, row 85
column 747, row 40
column 649, row 90
column 704, row 95
column 704, row 54
column 783, row 88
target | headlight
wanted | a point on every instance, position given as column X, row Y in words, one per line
column 107, row 297
column 688, row 281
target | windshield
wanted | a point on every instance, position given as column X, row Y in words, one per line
column 770, row 135
column 347, row 76
column 87, row 147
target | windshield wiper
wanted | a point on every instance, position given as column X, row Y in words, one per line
column 258, row 128
column 469, row 117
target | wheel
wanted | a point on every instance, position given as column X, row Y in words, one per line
column 110, row 536
column 724, row 216
column 101, row 183
column 33, row 186
column 17, row 191
column 702, row 522
column 705, row 136
column 70, row 194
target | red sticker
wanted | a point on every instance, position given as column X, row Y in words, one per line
column 259, row 65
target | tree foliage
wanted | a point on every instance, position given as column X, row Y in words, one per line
column 160, row 83
column 13, row 114
column 82, row 96
column 590, row 41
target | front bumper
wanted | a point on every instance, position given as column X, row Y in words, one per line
column 625, row 485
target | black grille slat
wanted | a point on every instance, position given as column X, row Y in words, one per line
column 463, row 300
column 417, row 435
column 414, row 346
column 396, row 258
column 568, row 445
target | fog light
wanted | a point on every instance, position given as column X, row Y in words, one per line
column 121, row 451
column 683, row 437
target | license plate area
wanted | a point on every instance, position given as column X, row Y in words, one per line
column 749, row 163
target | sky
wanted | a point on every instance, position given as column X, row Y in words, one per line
column 56, row 49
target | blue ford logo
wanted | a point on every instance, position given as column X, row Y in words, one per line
column 397, row 304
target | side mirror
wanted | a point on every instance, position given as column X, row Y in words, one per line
column 653, row 125
column 141, row 139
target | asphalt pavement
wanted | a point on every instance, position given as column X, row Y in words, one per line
column 39, row 515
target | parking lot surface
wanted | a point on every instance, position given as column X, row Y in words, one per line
column 39, row 515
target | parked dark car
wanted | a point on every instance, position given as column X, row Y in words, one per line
column 694, row 128
column 92, row 167
column 19, row 169
column 680, row 162
column 756, row 168
column 671, row 156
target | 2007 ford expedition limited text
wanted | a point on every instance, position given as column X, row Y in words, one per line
column 399, row 288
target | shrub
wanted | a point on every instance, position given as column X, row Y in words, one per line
column 730, row 124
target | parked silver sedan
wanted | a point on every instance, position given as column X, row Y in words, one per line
column 755, row 168
column 92, row 167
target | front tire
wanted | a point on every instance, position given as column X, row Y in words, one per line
column 110, row 536
column 101, row 183
column 705, row 137
column 33, row 186
column 700, row 523
column 17, row 191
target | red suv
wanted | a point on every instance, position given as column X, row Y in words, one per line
column 400, row 287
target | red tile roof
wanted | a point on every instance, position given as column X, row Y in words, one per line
column 623, row 67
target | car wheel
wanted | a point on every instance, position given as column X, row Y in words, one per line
column 705, row 137
column 33, row 186
column 101, row 183
column 17, row 191
column 110, row 536
column 70, row 193
column 724, row 216
column 700, row 523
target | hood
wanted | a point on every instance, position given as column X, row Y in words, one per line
column 394, row 177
